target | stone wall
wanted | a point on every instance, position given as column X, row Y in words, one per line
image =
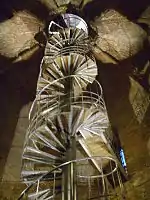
column 18, row 84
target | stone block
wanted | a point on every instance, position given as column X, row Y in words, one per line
column 117, row 36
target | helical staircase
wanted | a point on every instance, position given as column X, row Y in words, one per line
column 67, row 152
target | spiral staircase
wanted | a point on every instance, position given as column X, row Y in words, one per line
column 68, row 152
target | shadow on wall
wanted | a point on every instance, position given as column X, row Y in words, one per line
column 8, row 7
column 116, row 86
column 17, row 87
column 141, row 71
column 18, row 84
column 125, row 7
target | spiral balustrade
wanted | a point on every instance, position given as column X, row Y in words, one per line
column 66, row 153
